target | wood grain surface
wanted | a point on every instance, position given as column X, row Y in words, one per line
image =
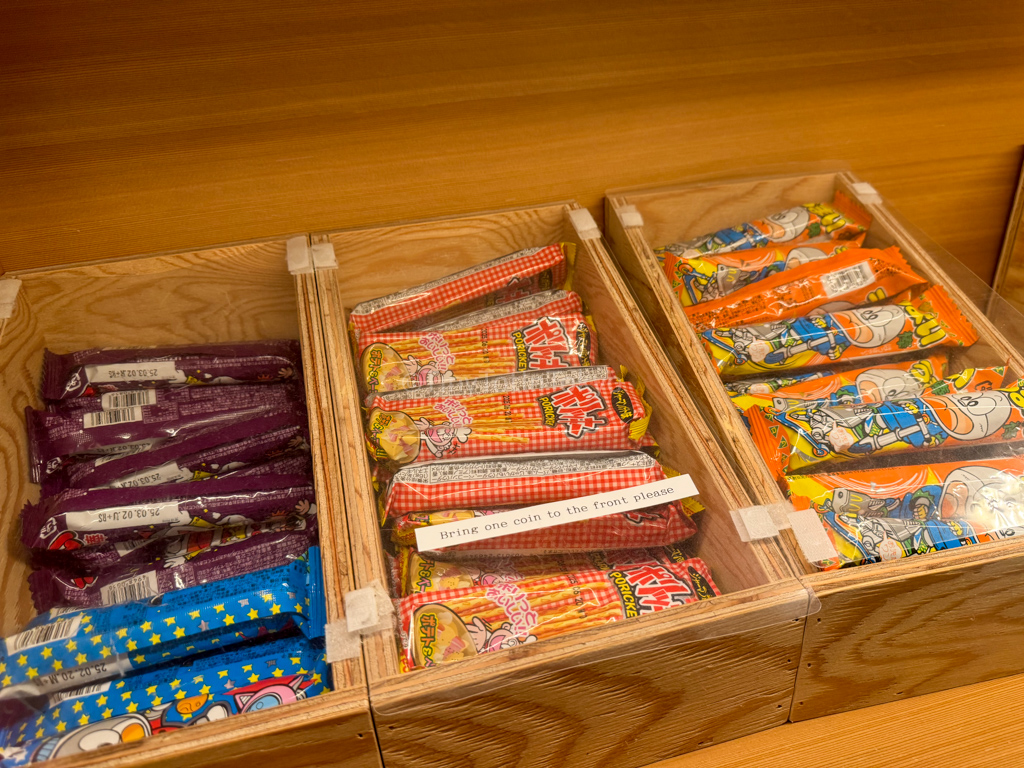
column 129, row 131
column 926, row 732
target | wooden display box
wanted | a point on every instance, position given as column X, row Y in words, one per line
column 885, row 631
column 243, row 292
column 620, row 695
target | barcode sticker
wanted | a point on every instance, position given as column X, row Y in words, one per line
column 110, row 418
column 164, row 370
column 165, row 473
column 121, row 517
column 131, row 589
column 124, row 548
column 77, row 693
column 845, row 280
column 61, row 629
column 112, row 400
column 115, row 666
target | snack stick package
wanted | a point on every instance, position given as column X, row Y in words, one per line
column 523, row 381
column 164, row 700
column 440, row 627
column 57, row 441
column 902, row 328
column 415, row 572
column 498, row 281
column 92, row 372
column 843, row 219
column 243, row 444
column 658, row 526
column 438, row 486
column 817, row 432
column 884, row 514
column 392, row 361
column 852, row 278
column 885, row 381
column 77, row 519
column 601, row 415
column 546, row 303
column 97, row 644
column 207, row 553
column 765, row 385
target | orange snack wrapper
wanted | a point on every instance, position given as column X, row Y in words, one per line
column 703, row 279
column 817, row 432
column 414, row 572
column 854, row 277
column 394, row 361
column 603, row 415
column 886, row 381
column 450, row 625
column 905, row 327
column 879, row 515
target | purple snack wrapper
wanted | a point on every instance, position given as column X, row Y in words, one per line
column 78, row 519
column 187, row 399
column 194, row 558
column 299, row 464
column 57, row 439
column 90, row 372
column 235, row 445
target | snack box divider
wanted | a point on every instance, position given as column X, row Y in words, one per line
column 632, row 691
column 885, row 631
column 229, row 293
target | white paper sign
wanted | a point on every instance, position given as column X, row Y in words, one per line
column 434, row 537
column 119, row 517
column 163, row 370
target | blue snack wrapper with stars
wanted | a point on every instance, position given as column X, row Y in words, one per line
column 69, row 649
column 251, row 678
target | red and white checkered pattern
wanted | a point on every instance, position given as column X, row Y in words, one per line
column 510, row 275
column 575, row 418
column 438, row 486
column 569, row 304
column 577, row 608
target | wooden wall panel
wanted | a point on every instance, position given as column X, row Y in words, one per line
column 130, row 127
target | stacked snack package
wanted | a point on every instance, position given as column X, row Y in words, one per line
column 136, row 564
column 834, row 352
column 483, row 394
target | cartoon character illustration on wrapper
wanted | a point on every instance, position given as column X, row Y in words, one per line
column 442, row 438
column 983, row 493
column 123, row 729
column 439, row 635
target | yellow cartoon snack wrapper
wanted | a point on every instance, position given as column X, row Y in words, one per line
column 873, row 384
column 817, row 432
column 451, row 625
column 884, row 514
column 854, row 277
column 904, row 327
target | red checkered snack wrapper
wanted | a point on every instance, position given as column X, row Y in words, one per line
column 450, row 625
column 500, row 280
column 139, row 419
column 854, row 277
column 205, row 554
column 650, row 527
column 394, row 361
column 550, row 303
column 91, row 372
column 441, row 485
column 414, row 572
column 577, row 416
